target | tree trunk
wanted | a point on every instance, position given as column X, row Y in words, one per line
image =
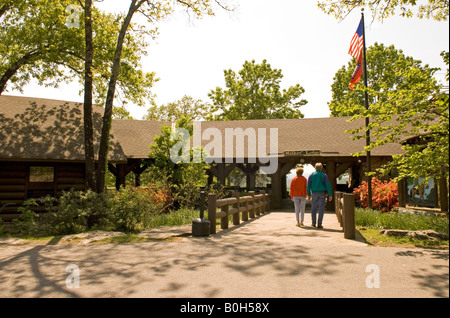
column 88, row 125
column 106, row 127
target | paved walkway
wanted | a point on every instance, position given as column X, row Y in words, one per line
column 265, row 257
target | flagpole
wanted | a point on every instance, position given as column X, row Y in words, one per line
column 366, row 104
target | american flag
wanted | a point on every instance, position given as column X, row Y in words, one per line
column 357, row 43
column 356, row 50
column 357, row 73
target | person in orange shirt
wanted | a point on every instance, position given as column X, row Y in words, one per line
column 298, row 195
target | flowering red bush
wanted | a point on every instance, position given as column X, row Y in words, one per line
column 384, row 195
column 159, row 195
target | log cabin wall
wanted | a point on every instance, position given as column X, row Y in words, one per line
column 20, row 181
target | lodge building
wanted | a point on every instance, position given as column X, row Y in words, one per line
column 42, row 149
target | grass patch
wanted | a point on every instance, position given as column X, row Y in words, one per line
column 180, row 217
column 370, row 222
column 391, row 220
column 373, row 237
column 174, row 218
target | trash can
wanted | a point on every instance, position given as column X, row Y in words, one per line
column 200, row 227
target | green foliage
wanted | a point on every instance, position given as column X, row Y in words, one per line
column 174, row 218
column 388, row 70
column 183, row 177
column 407, row 106
column 187, row 106
column 416, row 114
column 27, row 223
column 132, row 209
column 71, row 213
column 381, row 9
column 404, row 221
column 255, row 93
column 129, row 210
column 38, row 44
column 35, row 42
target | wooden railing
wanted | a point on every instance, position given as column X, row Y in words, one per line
column 345, row 213
column 250, row 206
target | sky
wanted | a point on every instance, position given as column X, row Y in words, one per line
column 189, row 56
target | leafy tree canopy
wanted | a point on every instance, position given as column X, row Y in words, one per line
column 381, row 9
column 407, row 106
column 387, row 70
column 255, row 93
column 37, row 42
column 195, row 109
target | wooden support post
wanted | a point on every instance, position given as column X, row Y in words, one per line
column 138, row 170
column 338, row 206
column 252, row 210
column 245, row 214
column 349, row 216
column 224, row 220
column 257, row 208
column 276, row 190
column 236, row 216
column 121, row 175
column 212, row 198
column 264, row 200
column 331, row 173
column 277, row 182
column 284, row 193
column 221, row 171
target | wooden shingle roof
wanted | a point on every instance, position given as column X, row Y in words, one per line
column 135, row 136
column 328, row 136
column 45, row 129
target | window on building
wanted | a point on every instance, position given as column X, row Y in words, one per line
column 42, row 174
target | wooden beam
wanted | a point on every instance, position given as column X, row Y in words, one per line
column 277, row 178
column 331, row 172
column 221, row 171
column 250, row 170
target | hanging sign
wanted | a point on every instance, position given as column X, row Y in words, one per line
column 302, row 153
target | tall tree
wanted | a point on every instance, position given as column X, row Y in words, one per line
column 87, row 105
column 153, row 10
column 387, row 67
column 413, row 110
column 421, row 109
column 381, row 9
column 413, row 107
column 195, row 109
column 48, row 41
column 255, row 93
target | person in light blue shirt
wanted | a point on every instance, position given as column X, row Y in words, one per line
column 317, row 188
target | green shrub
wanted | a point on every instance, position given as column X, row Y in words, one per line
column 27, row 223
column 133, row 208
column 73, row 212
column 128, row 210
